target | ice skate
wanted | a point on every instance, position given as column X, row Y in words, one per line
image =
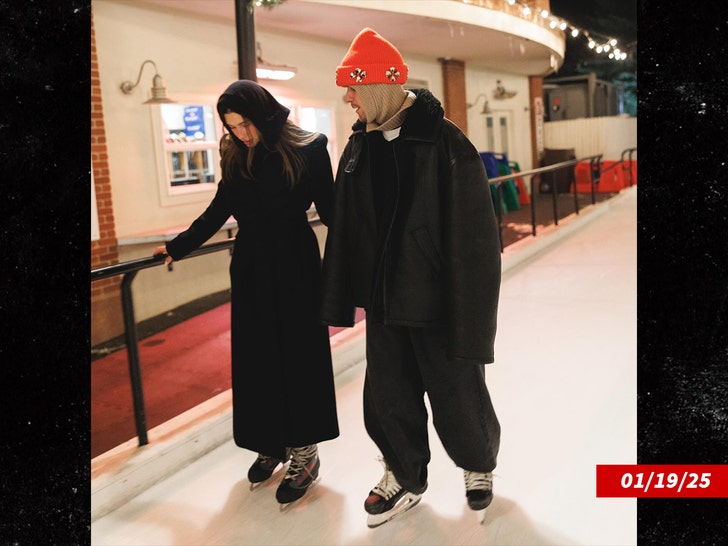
column 301, row 476
column 388, row 499
column 479, row 490
column 263, row 468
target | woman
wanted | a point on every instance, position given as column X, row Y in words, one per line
column 282, row 379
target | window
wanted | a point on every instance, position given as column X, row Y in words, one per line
column 497, row 133
column 318, row 118
column 188, row 154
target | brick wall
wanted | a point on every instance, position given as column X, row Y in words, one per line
column 106, row 315
column 453, row 83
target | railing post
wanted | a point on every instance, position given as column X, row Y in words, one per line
column 533, row 205
column 631, row 171
column 132, row 347
column 628, row 151
column 594, row 175
column 499, row 208
column 553, row 199
column 576, row 194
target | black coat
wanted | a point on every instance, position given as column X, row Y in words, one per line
column 439, row 261
column 282, row 378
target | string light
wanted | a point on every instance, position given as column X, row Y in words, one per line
column 607, row 46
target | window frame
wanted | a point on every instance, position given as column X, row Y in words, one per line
column 172, row 195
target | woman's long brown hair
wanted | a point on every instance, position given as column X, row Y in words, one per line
column 235, row 158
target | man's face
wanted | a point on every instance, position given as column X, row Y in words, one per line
column 352, row 97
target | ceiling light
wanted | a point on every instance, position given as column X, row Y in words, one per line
column 270, row 71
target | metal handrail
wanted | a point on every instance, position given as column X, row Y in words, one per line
column 133, row 266
column 129, row 270
column 595, row 172
column 628, row 168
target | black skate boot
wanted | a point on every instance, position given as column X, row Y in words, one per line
column 301, row 475
column 388, row 499
column 478, row 489
column 263, row 468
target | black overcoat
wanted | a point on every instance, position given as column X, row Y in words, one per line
column 438, row 261
column 282, row 379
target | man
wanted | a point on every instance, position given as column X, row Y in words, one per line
column 414, row 242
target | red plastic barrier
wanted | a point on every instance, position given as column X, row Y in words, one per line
column 611, row 181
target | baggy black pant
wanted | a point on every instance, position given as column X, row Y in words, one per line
column 403, row 364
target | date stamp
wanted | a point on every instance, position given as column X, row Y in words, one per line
column 668, row 481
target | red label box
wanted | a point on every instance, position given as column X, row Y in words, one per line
column 662, row 481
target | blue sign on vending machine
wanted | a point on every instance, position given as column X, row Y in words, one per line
column 194, row 122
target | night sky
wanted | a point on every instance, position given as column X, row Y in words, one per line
column 617, row 18
column 602, row 19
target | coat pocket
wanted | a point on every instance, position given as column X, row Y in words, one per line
column 428, row 249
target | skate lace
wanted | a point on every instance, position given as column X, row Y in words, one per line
column 478, row 480
column 300, row 457
column 266, row 460
column 388, row 486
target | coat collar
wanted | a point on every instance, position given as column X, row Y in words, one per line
column 423, row 121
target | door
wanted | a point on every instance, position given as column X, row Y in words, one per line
column 498, row 132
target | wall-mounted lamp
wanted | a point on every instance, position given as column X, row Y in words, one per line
column 269, row 71
column 159, row 92
column 486, row 107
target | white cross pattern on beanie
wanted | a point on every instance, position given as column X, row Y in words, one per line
column 358, row 75
column 392, row 73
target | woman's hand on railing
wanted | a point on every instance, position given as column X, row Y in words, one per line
column 162, row 250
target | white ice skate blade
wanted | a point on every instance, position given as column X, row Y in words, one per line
column 481, row 515
column 408, row 500
column 284, row 507
column 258, row 485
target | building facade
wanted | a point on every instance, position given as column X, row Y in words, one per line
column 484, row 59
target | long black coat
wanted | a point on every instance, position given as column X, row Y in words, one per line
column 438, row 262
column 282, row 378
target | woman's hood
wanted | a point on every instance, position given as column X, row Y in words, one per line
column 254, row 102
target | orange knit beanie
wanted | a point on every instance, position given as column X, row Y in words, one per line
column 371, row 59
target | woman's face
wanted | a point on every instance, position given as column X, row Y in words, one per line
column 242, row 128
